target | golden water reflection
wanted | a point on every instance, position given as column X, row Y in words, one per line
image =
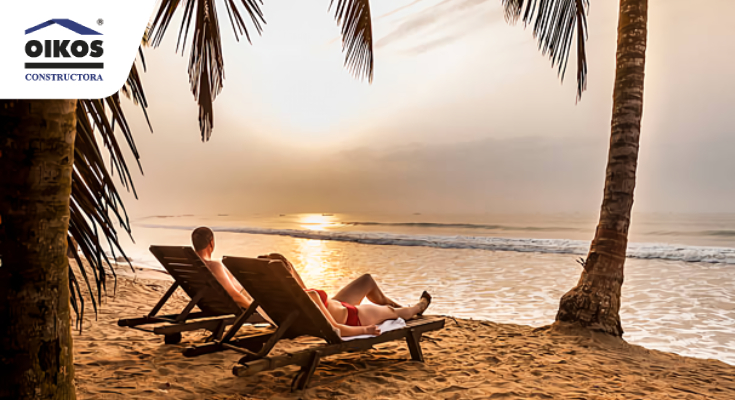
column 318, row 262
column 318, row 222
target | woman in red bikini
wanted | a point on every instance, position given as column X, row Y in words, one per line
column 344, row 310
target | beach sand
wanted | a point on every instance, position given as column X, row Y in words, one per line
column 467, row 359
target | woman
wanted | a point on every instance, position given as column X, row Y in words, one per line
column 344, row 310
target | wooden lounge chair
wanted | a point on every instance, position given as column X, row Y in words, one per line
column 275, row 290
column 217, row 308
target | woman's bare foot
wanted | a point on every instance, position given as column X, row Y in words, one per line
column 424, row 302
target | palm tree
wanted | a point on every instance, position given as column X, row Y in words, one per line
column 37, row 149
column 56, row 190
column 595, row 302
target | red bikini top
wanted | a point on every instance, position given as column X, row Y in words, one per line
column 322, row 295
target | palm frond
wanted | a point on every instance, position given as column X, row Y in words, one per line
column 357, row 36
column 95, row 205
column 133, row 88
column 555, row 23
column 206, row 64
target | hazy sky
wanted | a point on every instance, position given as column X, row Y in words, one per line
column 464, row 115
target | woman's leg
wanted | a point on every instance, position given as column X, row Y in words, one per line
column 364, row 286
column 371, row 314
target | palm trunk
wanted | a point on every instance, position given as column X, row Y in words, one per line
column 36, row 155
column 595, row 301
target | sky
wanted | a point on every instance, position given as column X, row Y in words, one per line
column 464, row 116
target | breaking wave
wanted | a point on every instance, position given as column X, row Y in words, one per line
column 560, row 246
column 457, row 226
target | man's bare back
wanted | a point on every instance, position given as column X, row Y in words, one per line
column 203, row 241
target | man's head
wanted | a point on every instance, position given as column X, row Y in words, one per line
column 202, row 238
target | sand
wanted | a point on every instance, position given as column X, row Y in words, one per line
column 467, row 359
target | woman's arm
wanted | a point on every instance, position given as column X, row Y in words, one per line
column 289, row 266
column 342, row 330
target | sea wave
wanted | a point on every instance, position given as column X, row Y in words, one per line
column 725, row 233
column 457, row 226
column 168, row 216
column 715, row 233
column 561, row 246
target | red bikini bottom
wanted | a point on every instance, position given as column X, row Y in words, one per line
column 352, row 318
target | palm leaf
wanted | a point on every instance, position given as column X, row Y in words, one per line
column 206, row 65
column 357, row 36
column 95, row 206
column 133, row 88
column 555, row 23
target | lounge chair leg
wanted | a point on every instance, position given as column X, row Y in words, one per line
column 218, row 331
column 239, row 321
column 163, row 300
column 172, row 338
column 185, row 312
column 268, row 346
column 413, row 340
column 307, row 371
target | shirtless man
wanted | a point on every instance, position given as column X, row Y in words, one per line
column 365, row 286
column 203, row 240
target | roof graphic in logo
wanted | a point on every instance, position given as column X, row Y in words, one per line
column 66, row 23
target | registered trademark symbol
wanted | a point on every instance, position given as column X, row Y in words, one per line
column 100, row 21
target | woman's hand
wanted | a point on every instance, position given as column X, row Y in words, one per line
column 372, row 330
column 280, row 257
column 287, row 264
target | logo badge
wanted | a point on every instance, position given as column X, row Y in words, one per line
column 53, row 51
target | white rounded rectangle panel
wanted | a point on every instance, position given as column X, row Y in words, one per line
column 69, row 49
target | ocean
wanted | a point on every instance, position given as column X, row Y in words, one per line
column 678, row 294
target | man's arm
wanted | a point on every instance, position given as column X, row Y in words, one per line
column 234, row 281
column 222, row 276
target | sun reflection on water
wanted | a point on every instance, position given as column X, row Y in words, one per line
column 318, row 222
column 319, row 265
